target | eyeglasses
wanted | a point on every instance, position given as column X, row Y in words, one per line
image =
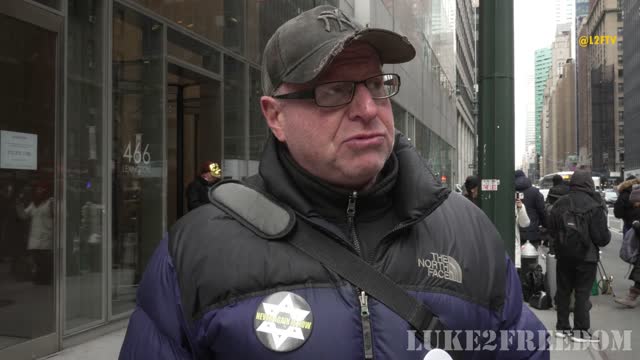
column 338, row 93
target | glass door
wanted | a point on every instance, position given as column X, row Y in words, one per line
column 193, row 132
column 29, row 199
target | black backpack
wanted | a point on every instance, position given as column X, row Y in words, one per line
column 573, row 240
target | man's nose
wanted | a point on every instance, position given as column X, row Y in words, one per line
column 363, row 107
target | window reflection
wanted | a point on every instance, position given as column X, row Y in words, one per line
column 235, row 164
column 84, row 183
column 258, row 129
column 27, row 181
column 138, row 150
column 221, row 21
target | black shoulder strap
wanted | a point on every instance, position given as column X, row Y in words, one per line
column 248, row 206
column 364, row 276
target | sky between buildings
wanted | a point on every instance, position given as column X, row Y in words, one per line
column 534, row 28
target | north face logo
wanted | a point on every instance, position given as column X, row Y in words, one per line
column 442, row 266
column 336, row 15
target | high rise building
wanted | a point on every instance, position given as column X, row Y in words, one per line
column 601, row 107
column 542, row 68
column 630, row 117
column 554, row 113
column 465, row 88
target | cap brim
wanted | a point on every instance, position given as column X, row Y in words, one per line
column 392, row 48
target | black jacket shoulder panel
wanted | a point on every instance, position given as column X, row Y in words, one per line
column 256, row 210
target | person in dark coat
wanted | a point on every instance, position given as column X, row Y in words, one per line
column 534, row 203
column 559, row 189
column 198, row 189
column 623, row 208
column 472, row 189
column 577, row 272
column 631, row 299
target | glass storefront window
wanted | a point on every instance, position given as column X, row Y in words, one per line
column 221, row 21
column 258, row 129
column 28, row 196
column 84, row 177
column 235, row 164
column 137, row 150
column 264, row 17
column 192, row 51
column 55, row 3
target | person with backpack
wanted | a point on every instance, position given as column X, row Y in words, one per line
column 623, row 208
column 559, row 189
column 630, row 241
column 579, row 223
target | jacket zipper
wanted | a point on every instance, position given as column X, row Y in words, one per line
column 366, row 325
column 362, row 296
column 351, row 214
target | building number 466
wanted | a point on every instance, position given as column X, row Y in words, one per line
column 137, row 156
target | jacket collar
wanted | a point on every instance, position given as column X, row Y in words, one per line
column 406, row 184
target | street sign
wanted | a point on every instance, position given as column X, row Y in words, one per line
column 490, row 184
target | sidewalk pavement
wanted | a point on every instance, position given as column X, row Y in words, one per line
column 106, row 347
column 605, row 315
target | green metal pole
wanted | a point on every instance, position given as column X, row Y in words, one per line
column 496, row 132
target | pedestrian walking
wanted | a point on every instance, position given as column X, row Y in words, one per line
column 522, row 220
column 623, row 208
column 472, row 189
column 579, row 223
column 631, row 298
column 534, row 204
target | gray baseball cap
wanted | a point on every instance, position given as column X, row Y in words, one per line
column 306, row 45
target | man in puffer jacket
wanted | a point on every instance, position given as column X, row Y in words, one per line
column 228, row 282
column 623, row 208
column 534, row 203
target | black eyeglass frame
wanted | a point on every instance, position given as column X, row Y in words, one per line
column 311, row 93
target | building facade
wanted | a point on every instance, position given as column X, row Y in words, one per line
column 553, row 103
column 600, row 67
column 631, row 114
column 109, row 108
column 541, row 73
column 466, row 104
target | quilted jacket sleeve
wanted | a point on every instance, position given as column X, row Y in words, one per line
column 157, row 329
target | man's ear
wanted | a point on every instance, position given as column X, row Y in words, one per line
column 271, row 109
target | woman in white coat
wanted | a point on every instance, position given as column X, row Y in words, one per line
column 522, row 220
column 40, row 243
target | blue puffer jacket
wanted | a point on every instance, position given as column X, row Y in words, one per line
column 220, row 288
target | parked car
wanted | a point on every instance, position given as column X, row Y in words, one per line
column 610, row 196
